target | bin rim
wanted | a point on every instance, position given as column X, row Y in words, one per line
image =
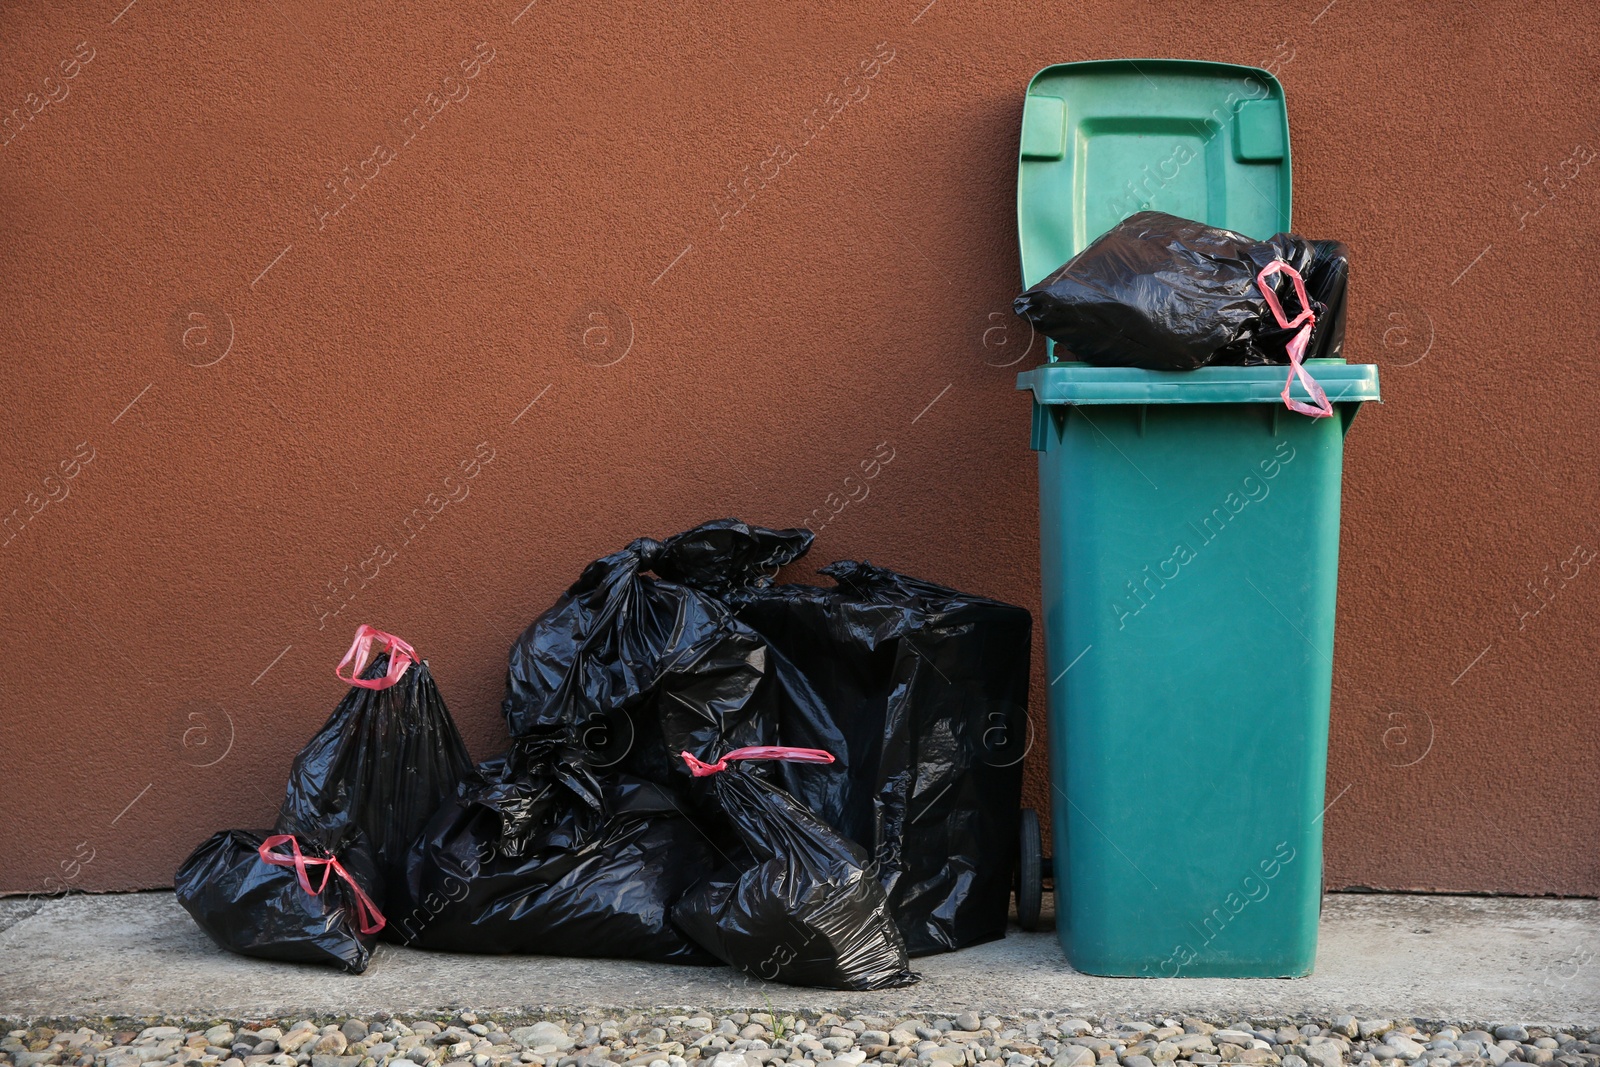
column 1081, row 383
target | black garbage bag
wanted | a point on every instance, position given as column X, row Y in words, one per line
column 929, row 688
column 308, row 904
column 807, row 908
column 649, row 655
column 560, row 864
column 1164, row 293
column 631, row 667
column 384, row 761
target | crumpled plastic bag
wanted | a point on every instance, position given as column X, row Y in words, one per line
column 919, row 692
column 806, row 908
column 929, row 690
column 553, row 864
column 1164, row 293
column 626, row 659
column 630, row 666
column 310, row 905
column 385, row 760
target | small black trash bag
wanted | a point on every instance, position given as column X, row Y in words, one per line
column 626, row 659
column 553, row 861
column 281, row 898
column 1164, row 293
column 807, row 907
column 384, row 761
column 929, row 688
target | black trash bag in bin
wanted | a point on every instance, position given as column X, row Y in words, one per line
column 308, row 904
column 806, row 908
column 930, row 688
column 553, row 863
column 384, row 761
column 1164, row 293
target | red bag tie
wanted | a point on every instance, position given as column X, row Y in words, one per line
column 369, row 643
column 1297, row 344
column 757, row 752
column 369, row 920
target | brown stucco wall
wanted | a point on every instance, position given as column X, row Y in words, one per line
column 554, row 234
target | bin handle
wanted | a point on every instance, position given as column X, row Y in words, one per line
column 1297, row 345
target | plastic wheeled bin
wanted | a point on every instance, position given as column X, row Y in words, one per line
column 1189, row 551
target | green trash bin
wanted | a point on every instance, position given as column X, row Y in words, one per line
column 1189, row 549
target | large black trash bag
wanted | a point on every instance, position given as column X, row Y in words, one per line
column 1164, row 293
column 384, row 761
column 626, row 660
column 807, row 908
column 322, row 910
column 561, row 864
column 929, row 689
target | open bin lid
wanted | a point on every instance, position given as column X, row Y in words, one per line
column 1104, row 139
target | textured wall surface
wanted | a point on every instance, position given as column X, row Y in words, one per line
column 327, row 313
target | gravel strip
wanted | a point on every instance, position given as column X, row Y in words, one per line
column 757, row 1039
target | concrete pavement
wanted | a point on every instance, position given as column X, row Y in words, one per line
column 1452, row 959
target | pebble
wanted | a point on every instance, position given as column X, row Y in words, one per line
column 1402, row 1045
column 1324, row 1055
column 549, row 1034
column 332, row 1044
column 1187, row 1043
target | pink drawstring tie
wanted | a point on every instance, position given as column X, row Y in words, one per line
column 758, row 752
column 368, row 919
column 1297, row 344
column 401, row 656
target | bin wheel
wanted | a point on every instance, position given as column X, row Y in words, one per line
column 1030, row 871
